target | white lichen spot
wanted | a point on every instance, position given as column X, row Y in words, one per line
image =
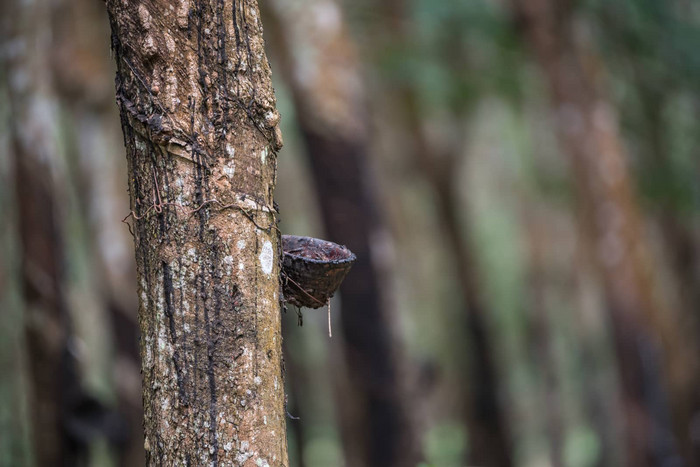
column 229, row 170
column 161, row 343
column 240, row 244
column 169, row 43
column 144, row 16
column 257, row 380
column 241, row 266
column 266, row 257
column 228, row 260
column 261, row 462
column 265, row 419
column 149, row 354
column 182, row 14
column 230, row 150
column 263, row 155
column 275, row 383
column 272, row 118
column 228, row 447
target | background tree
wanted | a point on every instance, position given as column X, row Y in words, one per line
column 33, row 129
column 589, row 131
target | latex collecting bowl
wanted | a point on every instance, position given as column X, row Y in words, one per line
column 312, row 269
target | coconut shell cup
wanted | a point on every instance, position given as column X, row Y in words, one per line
column 312, row 269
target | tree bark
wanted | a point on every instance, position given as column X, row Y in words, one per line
column 201, row 133
column 324, row 76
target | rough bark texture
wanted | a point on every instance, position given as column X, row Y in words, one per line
column 643, row 327
column 201, row 131
column 324, row 77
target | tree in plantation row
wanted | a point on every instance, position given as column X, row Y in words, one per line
column 15, row 447
column 54, row 389
column 201, row 133
column 484, row 415
column 95, row 184
column 375, row 418
column 654, row 352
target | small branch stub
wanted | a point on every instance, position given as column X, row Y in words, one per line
column 312, row 269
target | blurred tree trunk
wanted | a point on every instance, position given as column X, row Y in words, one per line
column 486, row 421
column 33, row 125
column 541, row 331
column 680, row 232
column 15, row 446
column 201, row 133
column 98, row 170
column 296, row 380
column 681, row 237
column 323, row 74
column 586, row 126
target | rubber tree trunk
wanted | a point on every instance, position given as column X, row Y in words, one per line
column 323, row 74
column 26, row 33
column 587, row 128
column 201, row 134
column 542, row 329
column 92, row 128
column 486, row 421
column 15, row 419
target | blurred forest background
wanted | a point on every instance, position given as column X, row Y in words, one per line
column 519, row 180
